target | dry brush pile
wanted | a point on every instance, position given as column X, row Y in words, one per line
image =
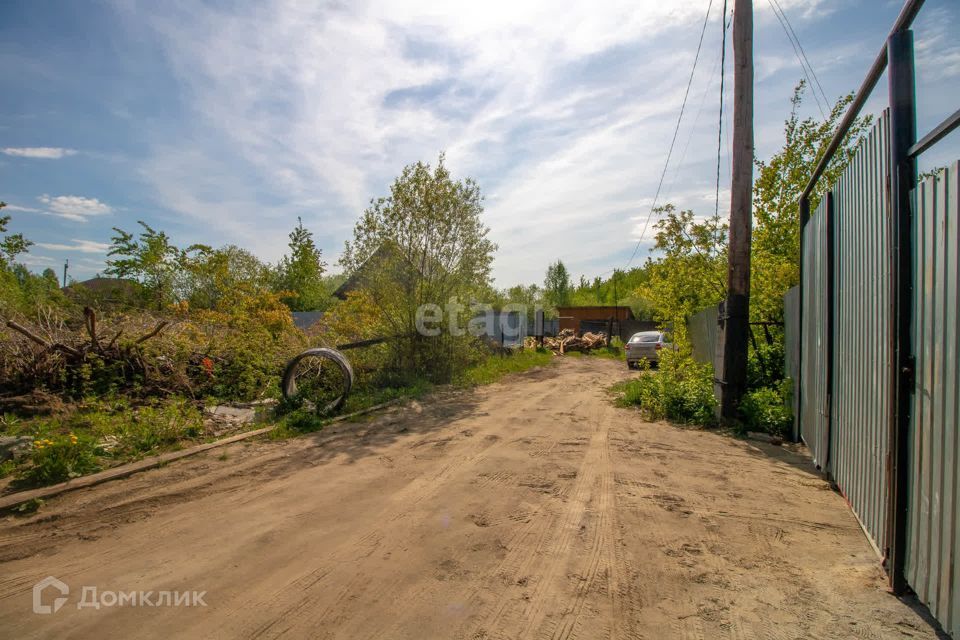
column 236, row 356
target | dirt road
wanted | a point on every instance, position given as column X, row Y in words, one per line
column 527, row 509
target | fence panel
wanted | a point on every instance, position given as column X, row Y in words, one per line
column 703, row 334
column 791, row 352
column 933, row 534
column 814, row 423
column 862, row 367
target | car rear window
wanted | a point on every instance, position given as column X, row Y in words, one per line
column 653, row 337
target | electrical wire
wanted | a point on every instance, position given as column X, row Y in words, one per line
column 800, row 59
column 803, row 53
column 723, row 62
column 676, row 129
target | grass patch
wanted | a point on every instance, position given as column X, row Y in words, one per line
column 99, row 434
column 494, row 367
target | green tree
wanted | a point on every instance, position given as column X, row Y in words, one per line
column 690, row 273
column 154, row 261
column 425, row 243
column 213, row 277
column 557, row 285
column 301, row 272
column 775, row 255
column 12, row 245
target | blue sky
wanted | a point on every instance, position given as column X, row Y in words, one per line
column 222, row 122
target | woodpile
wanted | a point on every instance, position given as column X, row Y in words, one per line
column 568, row 340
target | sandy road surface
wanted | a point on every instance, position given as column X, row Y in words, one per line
column 528, row 509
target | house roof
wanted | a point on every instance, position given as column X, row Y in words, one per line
column 385, row 251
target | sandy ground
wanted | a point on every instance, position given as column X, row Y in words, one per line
column 527, row 509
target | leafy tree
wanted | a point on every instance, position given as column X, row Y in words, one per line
column 557, row 285
column 691, row 272
column 425, row 243
column 776, row 192
column 301, row 273
column 154, row 261
column 213, row 277
column 12, row 245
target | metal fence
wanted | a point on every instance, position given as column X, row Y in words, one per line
column 933, row 532
column 791, row 350
column 880, row 336
column 703, row 327
column 814, row 332
column 861, row 380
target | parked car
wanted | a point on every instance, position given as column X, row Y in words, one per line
column 646, row 345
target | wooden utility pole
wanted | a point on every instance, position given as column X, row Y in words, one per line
column 736, row 308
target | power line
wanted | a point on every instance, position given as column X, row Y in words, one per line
column 723, row 61
column 683, row 155
column 823, row 93
column 800, row 59
column 676, row 129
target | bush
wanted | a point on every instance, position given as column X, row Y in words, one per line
column 765, row 364
column 768, row 410
column 152, row 428
column 681, row 391
column 59, row 458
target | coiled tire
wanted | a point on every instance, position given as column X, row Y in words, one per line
column 330, row 394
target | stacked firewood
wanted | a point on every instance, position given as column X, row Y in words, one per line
column 568, row 340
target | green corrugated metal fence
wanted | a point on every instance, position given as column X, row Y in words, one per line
column 933, row 533
column 862, row 374
column 814, row 427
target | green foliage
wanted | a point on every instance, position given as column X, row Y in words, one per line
column 691, row 273
column 153, row 428
column 11, row 245
column 681, row 390
column 613, row 351
column 494, row 367
column 768, row 410
column 7, row 468
column 57, row 458
column 212, row 279
column 775, row 258
column 154, row 261
column 300, row 274
column 765, row 363
column 425, row 243
column 557, row 286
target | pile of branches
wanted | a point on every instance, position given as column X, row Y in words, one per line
column 59, row 357
column 568, row 340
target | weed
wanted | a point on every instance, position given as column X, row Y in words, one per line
column 7, row 468
column 494, row 367
column 768, row 410
column 59, row 458
column 681, row 390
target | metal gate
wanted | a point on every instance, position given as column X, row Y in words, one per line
column 933, row 532
column 862, row 338
column 879, row 294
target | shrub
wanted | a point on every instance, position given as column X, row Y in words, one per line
column 152, row 428
column 768, row 410
column 681, row 391
column 765, row 364
column 60, row 457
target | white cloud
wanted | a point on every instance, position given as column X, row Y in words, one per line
column 77, row 208
column 13, row 207
column 563, row 111
column 45, row 153
column 84, row 246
